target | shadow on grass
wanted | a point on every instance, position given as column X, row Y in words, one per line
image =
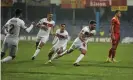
column 69, row 63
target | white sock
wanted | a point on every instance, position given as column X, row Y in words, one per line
column 63, row 52
column 79, row 58
column 36, row 52
column 8, row 58
column 54, row 56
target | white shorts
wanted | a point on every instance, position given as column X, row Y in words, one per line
column 12, row 40
column 59, row 45
column 78, row 44
column 43, row 39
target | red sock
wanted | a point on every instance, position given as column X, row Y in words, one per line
column 110, row 53
column 113, row 53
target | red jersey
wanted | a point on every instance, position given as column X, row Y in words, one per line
column 116, row 24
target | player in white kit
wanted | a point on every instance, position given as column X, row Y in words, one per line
column 60, row 42
column 45, row 25
column 12, row 27
column 81, row 42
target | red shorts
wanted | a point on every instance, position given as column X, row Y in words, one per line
column 117, row 39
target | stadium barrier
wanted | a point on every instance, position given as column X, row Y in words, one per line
column 95, row 39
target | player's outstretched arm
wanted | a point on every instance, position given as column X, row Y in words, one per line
column 30, row 28
column 27, row 29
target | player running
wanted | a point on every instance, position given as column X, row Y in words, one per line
column 115, row 36
column 45, row 26
column 60, row 40
column 12, row 27
column 81, row 42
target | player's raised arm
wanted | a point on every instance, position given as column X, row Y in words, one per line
column 28, row 29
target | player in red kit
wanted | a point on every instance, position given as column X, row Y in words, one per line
column 115, row 36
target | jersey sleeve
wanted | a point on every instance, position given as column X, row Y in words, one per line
column 67, row 34
column 84, row 30
column 41, row 21
column 23, row 24
column 93, row 32
column 113, row 21
column 53, row 23
column 7, row 23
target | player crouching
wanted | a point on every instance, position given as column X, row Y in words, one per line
column 60, row 42
column 81, row 42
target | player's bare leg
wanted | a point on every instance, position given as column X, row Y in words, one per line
column 111, row 51
column 114, row 52
column 4, row 49
column 64, row 53
column 58, row 54
column 12, row 51
column 81, row 56
column 58, row 51
column 70, row 50
column 41, row 44
column 50, row 54
column 110, row 54
column 37, row 43
column 2, row 54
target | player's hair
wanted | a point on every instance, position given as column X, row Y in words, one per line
column 50, row 13
column 117, row 11
column 18, row 12
column 62, row 24
column 92, row 22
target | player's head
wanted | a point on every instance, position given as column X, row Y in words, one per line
column 118, row 13
column 62, row 27
column 18, row 12
column 49, row 16
column 92, row 24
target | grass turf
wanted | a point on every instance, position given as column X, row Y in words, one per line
column 93, row 66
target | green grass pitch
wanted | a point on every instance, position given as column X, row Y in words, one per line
column 93, row 66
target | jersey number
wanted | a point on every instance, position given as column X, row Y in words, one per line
column 11, row 28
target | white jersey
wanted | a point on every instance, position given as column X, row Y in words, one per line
column 49, row 24
column 62, row 40
column 13, row 27
column 63, row 37
column 86, row 29
column 82, row 44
